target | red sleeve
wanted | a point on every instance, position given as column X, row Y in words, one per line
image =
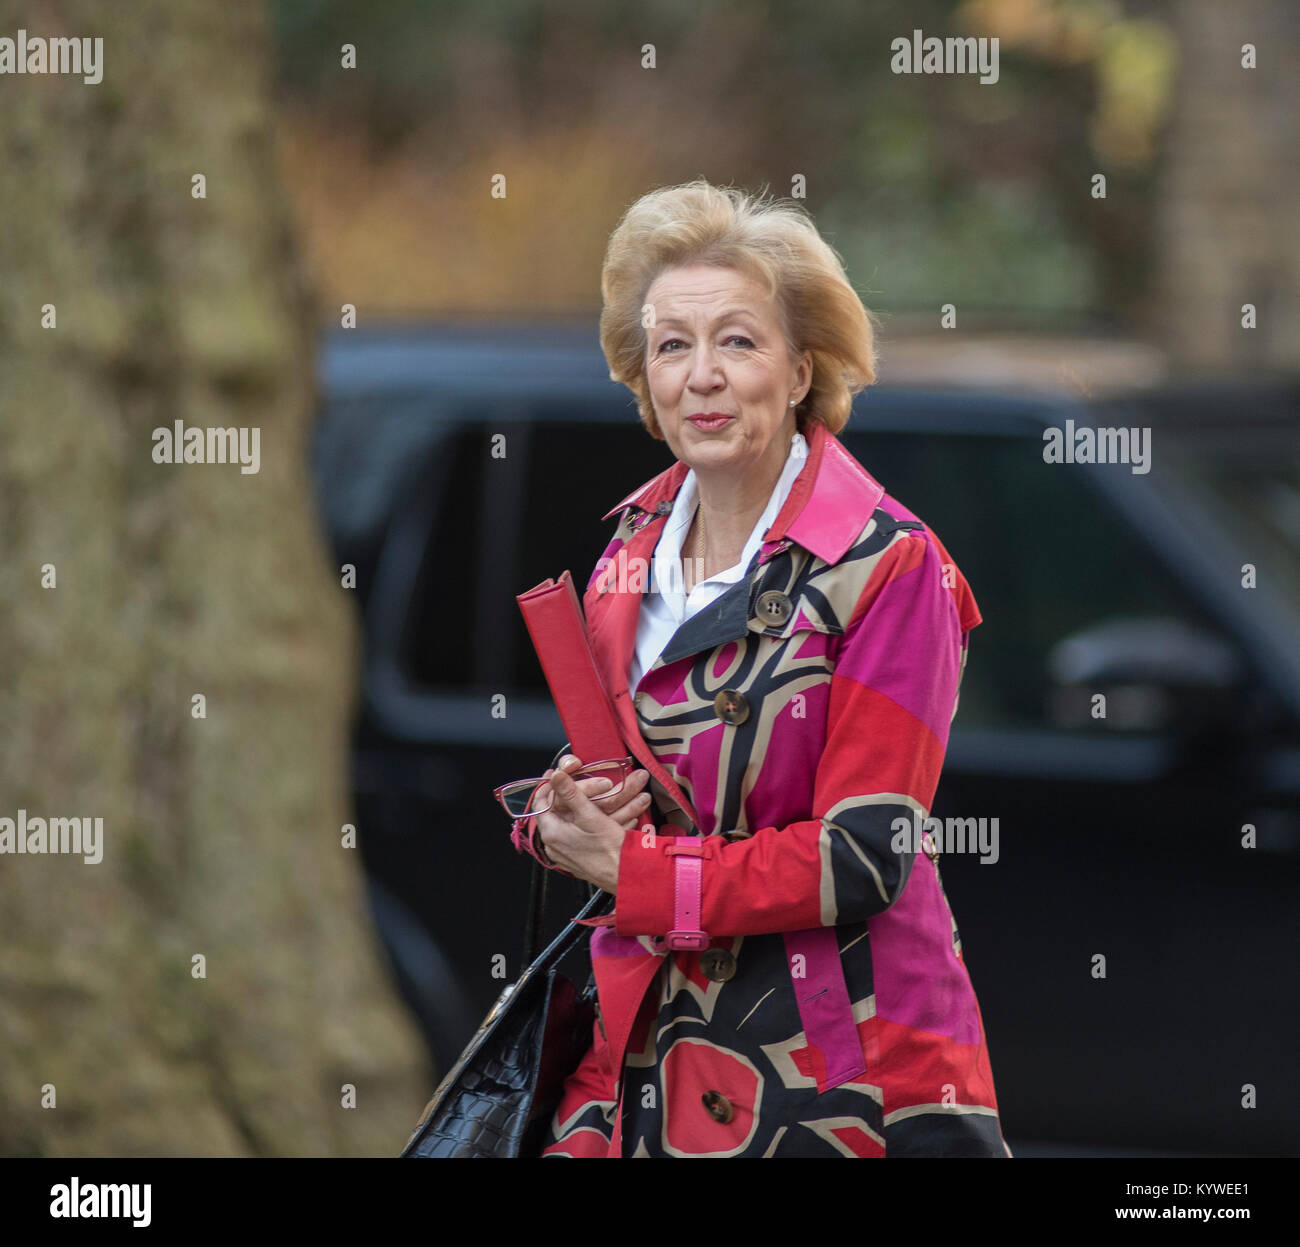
column 892, row 699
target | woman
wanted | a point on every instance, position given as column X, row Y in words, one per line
column 782, row 975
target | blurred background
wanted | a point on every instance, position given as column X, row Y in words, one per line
column 373, row 231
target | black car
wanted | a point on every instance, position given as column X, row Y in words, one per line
column 1134, row 943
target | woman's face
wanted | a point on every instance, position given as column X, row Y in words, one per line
column 716, row 350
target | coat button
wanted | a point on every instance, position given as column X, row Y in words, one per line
column 664, row 507
column 731, row 706
column 718, row 964
column 773, row 608
column 718, row 1106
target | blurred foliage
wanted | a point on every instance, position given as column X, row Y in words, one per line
column 934, row 188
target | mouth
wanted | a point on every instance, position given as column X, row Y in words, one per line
column 709, row 420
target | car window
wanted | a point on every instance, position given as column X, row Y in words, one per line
column 517, row 501
column 1257, row 502
column 1043, row 552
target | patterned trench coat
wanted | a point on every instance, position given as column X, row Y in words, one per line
column 795, row 728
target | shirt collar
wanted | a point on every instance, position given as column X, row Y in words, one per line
column 668, row 551
column 829, row 503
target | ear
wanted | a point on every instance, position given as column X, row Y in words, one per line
column 805, row 372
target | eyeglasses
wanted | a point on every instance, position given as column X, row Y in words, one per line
column 520, row 799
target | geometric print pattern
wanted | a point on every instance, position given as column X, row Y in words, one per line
column 849, row 701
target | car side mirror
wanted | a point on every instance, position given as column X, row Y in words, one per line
column 1144, row 675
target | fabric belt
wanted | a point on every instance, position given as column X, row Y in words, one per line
column 824, row 1008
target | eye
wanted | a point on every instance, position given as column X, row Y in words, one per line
column 735, row 337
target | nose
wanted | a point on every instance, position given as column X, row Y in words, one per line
column 706, row 369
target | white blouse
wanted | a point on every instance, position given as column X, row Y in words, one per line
column 664, row 606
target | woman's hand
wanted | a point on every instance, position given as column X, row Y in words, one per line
column 582, row 832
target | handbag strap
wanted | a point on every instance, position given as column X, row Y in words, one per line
column 573, row 933
column 538, row 887
column 536, row 912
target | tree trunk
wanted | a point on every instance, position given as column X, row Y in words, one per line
column 221, row 834
column 1225, row 210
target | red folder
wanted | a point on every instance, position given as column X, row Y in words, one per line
column 554, row 620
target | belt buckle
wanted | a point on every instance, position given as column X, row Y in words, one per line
column 686, row 941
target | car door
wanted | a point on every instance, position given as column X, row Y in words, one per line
column 1123, row 944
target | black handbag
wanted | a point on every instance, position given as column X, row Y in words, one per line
column 499, row 1097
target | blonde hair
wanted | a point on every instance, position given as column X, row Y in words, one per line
column 772, row 241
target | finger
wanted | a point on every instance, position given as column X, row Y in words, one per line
column 604, row 800
column 633, row 808
column 634, row 783
column 631, row 817
column 567, row 763
column 589, row 815
column 569, row 797
column 595, row 785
